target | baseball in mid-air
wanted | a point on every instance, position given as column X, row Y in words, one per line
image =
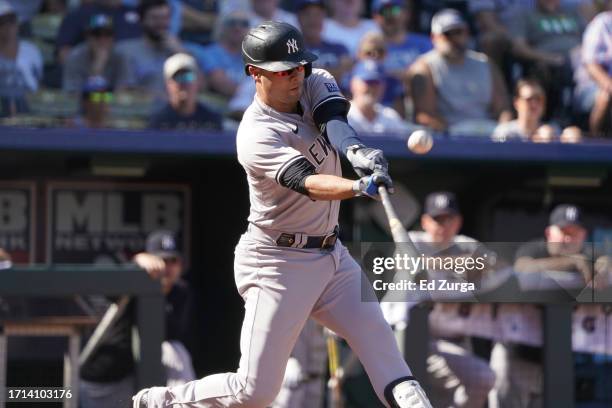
column 420, row 141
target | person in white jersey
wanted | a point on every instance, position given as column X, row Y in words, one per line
column 290, row 265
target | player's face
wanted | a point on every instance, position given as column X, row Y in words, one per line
column 172, row 272
column 280, row 90
column 565, row 240
column 442, row 228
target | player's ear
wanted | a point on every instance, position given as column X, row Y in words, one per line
column 253, row 71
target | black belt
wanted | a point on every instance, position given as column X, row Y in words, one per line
column 313, row 241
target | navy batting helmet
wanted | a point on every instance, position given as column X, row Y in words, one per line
column 275, row 46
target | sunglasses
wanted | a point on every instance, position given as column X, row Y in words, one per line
column 100, row 97
column 375, row 52
column 237, row 23
column 101, row 32
column 185, row 77
column 391, row 11
column 299, row 68
column 455, row 32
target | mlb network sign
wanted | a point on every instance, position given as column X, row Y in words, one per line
column 17, row 204
column 109, row 222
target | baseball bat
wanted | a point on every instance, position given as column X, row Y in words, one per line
column 398, row 232
column 335, row 373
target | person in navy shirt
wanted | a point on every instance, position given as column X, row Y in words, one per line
column 74, row 25
column 333, row 57
column 403, row 47
column 183, row 110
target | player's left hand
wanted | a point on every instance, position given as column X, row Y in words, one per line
column 368, row 185
column 366, row 161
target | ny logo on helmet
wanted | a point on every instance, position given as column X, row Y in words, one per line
column 292, row 46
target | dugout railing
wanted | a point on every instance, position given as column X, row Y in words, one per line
column 115, row 281
column 556, row 308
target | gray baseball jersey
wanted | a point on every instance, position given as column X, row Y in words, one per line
column 269, row 141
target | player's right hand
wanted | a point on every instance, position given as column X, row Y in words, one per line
column 368, row 185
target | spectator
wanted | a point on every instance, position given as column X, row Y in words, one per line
column 107, row 377
column 346, row 24
column 21, row 64
column 75, row 23
column 333, row 56
column 452, row 86
column 269, row 10
column 393, row 16
column 519, row 367
column 594, row 77
column 366, row 114
column 529, row 102
column 183, row 111
column 221, row 62
column 198, row 20
column 545, row 37
column 26, row 10
column 146, row 55
column 96, row 57
column 373, row 47
column 458, row 378
column 426, row 9
column 96, row 97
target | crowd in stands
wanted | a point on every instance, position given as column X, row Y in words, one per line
column 448, row 65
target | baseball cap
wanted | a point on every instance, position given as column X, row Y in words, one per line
column 179, row 62
column 100, row 22
column 163, row 244
column 300, row 4
column 566, row 214
column 369, row 70
column 378, row 5
column 441, row 203
column 6, row 8
column 446, row 20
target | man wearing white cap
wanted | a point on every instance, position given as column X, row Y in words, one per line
column 183, row 111
column 452, row 85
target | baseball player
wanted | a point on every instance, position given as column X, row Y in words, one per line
column 290, row 265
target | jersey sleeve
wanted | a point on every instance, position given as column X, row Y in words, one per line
column 323, row 92
column 266, row 155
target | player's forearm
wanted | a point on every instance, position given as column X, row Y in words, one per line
column 327, row 187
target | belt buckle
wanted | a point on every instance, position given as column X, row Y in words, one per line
column 330, row 240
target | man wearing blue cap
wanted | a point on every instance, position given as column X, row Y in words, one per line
column 367, row 114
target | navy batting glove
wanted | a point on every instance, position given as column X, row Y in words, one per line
column 368, row 185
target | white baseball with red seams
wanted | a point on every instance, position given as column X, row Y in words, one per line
column 420, row 141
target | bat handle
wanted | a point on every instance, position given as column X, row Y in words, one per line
column 386, row 202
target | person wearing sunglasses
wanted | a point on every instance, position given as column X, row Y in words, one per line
column 183, row 111
column 456, row 89
column 403, row 47
column 97, row 56
column 21, row 64
column 289, row 264
column 96, row 97
column 221, row 61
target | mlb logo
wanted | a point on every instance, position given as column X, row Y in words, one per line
column 331, row 87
